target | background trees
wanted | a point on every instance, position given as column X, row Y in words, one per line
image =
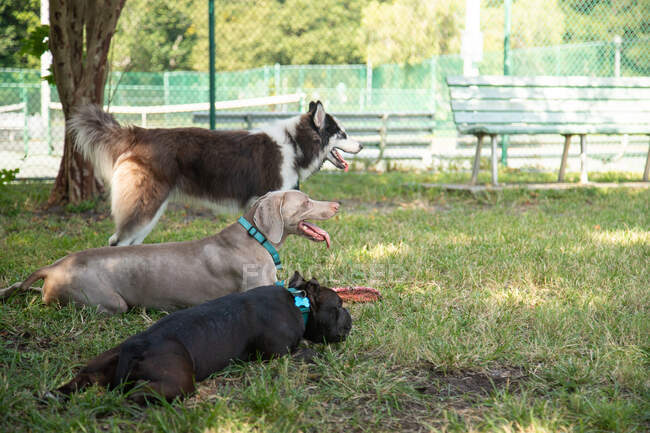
column 156, row 35
column 17, row 20
column 410, row 31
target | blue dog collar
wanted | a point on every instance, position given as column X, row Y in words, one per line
column 301, row 301
column 259, row 237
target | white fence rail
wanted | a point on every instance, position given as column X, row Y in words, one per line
column 185, row 108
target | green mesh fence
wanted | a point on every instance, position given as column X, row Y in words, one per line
column 568, row 37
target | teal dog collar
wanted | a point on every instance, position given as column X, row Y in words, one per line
column 259, row 237
column 301, row 301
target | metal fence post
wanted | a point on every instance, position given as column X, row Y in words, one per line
column 277, row 79
column 50, row 146
column 23, row 85
column 166, row 95
column 213, row 95
column 368, row 84
column 617, row 55
column 507, row 68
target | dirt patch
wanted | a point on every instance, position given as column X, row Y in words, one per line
column 211, row 389
column 24, row 341
column 390, row 206
column 60, row 213
column 470, row 384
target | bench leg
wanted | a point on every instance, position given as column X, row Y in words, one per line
column 493, row 143
column 565, row 156
column 583, row 159
column 646, row 172
column 477, row 160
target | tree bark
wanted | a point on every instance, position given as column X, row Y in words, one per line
column 80, row 36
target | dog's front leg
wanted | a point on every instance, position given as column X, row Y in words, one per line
column 306, row 355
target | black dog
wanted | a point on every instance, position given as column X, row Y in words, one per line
column 189, row 345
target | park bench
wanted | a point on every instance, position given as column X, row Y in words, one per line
column 505, row 105
column 373, row 130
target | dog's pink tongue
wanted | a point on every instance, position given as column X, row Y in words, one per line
column 341, row 160
column 317, row 233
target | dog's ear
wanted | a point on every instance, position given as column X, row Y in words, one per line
column 317, row 113
column 268, row 217
column 312, row 289
column 297, row 280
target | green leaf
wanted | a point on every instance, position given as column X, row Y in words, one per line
column 37, row 41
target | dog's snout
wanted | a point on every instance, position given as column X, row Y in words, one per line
column 360, row 147
column 335, row 206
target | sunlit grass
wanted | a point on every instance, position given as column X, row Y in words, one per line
column 552, row 284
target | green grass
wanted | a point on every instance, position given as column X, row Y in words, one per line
column 511, row 311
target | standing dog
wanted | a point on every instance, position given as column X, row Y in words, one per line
column 144, row 166
column 189, row 345
column 181, row 274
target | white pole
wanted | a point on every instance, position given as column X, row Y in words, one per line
column 368, row 83
column 472, row 39
column 46, row 61
column 617, row 55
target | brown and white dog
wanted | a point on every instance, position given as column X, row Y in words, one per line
column 144, row 166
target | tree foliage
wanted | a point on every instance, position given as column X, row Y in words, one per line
column 18, row 18
column 156, row 35
column 527, row 29
column 251, row 34
column 409, row 31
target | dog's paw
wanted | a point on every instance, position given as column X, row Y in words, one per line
column 306, row 355
column 51, row 397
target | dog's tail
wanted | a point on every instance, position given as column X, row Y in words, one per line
column 98, row 137
column 35, row 276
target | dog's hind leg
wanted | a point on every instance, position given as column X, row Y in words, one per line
column 143, row 231
column 138, row 201
column 6, row 292
column 166, row 370
column 26, row 285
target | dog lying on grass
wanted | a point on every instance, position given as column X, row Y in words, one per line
column 182, row 274
column 189, row 345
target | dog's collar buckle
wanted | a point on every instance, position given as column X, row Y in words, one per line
column 300, row 299
column 259, row 237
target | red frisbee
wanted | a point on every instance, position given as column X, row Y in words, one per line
column 358, row 294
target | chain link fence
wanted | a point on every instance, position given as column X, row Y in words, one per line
column 357, row 57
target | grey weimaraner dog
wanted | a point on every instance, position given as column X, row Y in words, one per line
column 181, row 274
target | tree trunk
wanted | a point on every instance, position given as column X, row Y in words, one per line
column 80, row 35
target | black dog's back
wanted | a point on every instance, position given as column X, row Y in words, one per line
column 224, row 329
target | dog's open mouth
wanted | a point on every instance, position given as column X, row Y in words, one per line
column 338, row 161
column 313, row 232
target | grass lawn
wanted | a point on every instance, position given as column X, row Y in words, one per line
column 510, row 311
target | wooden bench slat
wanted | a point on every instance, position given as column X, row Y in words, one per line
column 554, row 129
column 498, row 105
column 549, row 81
column 550, row 105
column 539, row 117
column 546, row 93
